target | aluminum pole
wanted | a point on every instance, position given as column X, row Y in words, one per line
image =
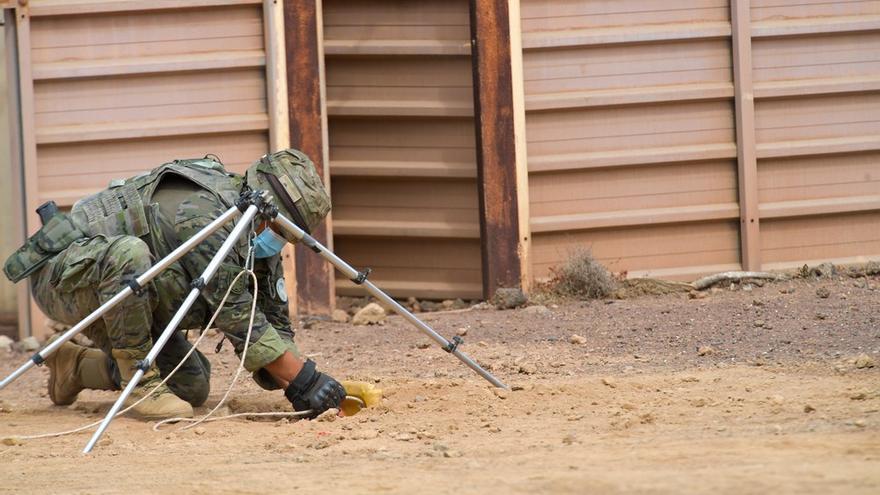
column 243, row 224
column 142, row 280
column 360, row 278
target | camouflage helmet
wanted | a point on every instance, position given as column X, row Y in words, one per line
column 291, row 178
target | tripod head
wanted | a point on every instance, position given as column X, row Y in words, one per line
column 259, row 198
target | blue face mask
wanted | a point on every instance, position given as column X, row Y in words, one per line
column 268, row 244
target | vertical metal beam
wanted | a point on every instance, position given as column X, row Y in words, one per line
column 279, row 125
column 503, row 246
column 23, row 298
column 28, row 144
column 315, row 291
column 747, row 165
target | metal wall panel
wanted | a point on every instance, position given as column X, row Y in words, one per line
column 8, row 221
column 401, row 137
column 115, row 93
column 631, row 138
column 632, row 142
column 110, row 89
column 816, row 67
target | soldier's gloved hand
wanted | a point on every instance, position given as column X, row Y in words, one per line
column 313, row 390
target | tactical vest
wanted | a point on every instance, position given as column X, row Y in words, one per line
column 124, row 208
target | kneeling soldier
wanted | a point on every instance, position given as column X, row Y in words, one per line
column 80, row 260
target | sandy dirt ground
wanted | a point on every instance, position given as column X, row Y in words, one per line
column 744, row 391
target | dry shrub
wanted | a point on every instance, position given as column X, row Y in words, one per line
column 582, row 276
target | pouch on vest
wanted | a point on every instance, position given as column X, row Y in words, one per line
column 118, row 210
column 52, row 238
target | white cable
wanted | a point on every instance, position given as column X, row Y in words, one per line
column 182, row 361
column 249, row 270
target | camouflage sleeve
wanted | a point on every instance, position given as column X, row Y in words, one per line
column 266, row 345
column 272, row 299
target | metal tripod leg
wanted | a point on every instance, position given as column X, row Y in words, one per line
column 140, row 281
column 143, row 366
column 361, row 279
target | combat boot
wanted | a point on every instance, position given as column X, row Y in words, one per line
column 72, row 368
column 162, row 404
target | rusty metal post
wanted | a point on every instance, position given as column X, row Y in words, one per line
column 500, row 176
column 315, row 290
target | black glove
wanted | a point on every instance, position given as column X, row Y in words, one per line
column 313, row 390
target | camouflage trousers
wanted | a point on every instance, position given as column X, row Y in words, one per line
column 89, row 273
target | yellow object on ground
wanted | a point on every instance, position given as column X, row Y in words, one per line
column 358, row 396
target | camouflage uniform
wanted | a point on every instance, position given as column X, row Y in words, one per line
column 140, row 220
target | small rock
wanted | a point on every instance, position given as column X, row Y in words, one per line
column 423, row 345
column 29, row 344
column 461, row 332
column 509, row 298
column 199, row 431
column 528, row 369
column 825, row 270
column 537, row 310
column 13, row 441
column 5, row 343
column 501, row 393
column 777, row 400
column 339, row 316
column 609, row 382
column 328, row 416
column 861, row 395
column 494, row 429
column 706, row 350
column 808, row 408
column 448, row 304
column 864, row 361
column 451, row 453
column 569, row 439
column 367, row 434
column 696, row 294
column 323, row 444
column 872, row 268
column 577, row 339
column 430, row 306
column 759, row 323
column 405, row 437
column 823, row 292
column 370, row 314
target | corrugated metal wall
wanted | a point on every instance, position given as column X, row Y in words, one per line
column 630, row 131
column 632, row 137
column 401, row 138
column 632, row 114
column 817, row 87
column 115, row 93
column 110, row 89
